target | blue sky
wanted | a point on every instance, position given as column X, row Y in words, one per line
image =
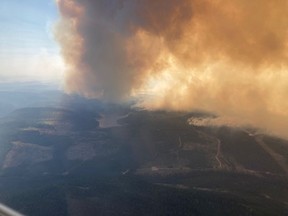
column 26, row 37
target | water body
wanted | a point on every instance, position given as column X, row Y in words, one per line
column 110, row 120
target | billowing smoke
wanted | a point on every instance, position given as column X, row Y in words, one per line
column 223, row 56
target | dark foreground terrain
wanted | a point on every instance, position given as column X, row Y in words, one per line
column 85, row 158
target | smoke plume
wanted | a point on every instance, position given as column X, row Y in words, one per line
column 223, row 56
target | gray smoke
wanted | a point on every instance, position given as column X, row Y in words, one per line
column 222, row 56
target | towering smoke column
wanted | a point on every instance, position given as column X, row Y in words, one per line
column 222, row 56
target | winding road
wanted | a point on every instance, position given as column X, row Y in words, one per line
column 218, row 156
column 218, row 153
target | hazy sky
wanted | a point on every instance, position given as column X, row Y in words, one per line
column 27, row 48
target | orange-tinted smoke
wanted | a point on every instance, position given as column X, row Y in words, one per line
column 222, row 56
